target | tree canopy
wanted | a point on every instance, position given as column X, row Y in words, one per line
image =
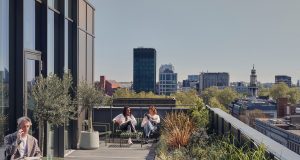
column 281, row 90
column 218, row 98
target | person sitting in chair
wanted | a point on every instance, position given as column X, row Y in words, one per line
column 20, row 144
column 126, row 121
column 150, row 121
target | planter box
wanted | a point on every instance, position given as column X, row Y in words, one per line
column 89, row 140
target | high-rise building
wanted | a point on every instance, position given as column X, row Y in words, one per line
column 253, row 88
column 283, row 78
column 144, row 69
column 219, row 79
column 167, row 79
column 39, row 37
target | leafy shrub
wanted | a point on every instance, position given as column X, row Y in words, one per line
column 199, row 114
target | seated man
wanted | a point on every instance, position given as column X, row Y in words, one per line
column 20, row 144
column 150, row 121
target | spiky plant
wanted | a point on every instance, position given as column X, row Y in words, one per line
column 177, row 129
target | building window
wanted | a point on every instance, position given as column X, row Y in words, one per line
column 82, row 14
column 68, row 45
column 54, row 4
column 29, row 24
column 82, row 55
column 90, row 58
column 90, row 17
column 4, row 65
column 68, row 9
column 50, row 41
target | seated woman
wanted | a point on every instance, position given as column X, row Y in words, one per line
column 126, row 121
column 150, row 121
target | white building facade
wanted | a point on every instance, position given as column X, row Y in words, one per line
column 167, row 80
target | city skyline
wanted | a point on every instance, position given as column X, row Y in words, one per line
column 198, row 36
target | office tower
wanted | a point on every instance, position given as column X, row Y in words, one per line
column 167, row 79
column 283, row 78
column 144, row 69
column 218, row 79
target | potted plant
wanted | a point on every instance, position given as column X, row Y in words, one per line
column 53, row 103
column 87, row 97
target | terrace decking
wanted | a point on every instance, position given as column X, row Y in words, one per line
column 114, row 151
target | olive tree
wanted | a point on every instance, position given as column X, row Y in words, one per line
column 87, row 97
column 53, row 103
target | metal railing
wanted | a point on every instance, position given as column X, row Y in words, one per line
column 223, row 123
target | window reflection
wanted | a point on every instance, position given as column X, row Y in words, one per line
column 82, row 55
column 53, row 4
column 68, row 8
column 29, row 24
column 50, row 41
column 89, row 63
column 30, row 75
column 4, row 67
column 68, row 44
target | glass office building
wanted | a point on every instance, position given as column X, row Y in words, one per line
column 144, row 69
column 167, row 80
column 42, row 37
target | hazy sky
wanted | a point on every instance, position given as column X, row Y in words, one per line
column 200, row 35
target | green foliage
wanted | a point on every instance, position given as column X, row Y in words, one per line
column 123, row 93
column 226, row 96
column 186, row 98
column 3, row 124
column 264, row 92
column 87, row 97
column 219, row 98
column 279, row 91
column 215, row 148
column 293, row 95
column 208, row 93
column 52, row 99
column 199, row 114
column 213, row 102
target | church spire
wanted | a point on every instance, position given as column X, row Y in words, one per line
column 253, row 83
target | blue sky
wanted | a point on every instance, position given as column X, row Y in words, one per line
column 200, row 35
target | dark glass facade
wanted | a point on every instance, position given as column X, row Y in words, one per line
column 42, row 37
column 4, row 67
column 144, row 69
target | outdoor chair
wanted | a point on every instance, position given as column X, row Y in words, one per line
column 117, row 133
column 107, row 132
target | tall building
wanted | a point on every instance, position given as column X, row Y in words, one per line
column 144, row 69
column 253, row 88
column 219, row 79
column 42, row 37
column 283, row 78
column 167, row 79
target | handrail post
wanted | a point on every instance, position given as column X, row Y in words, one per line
column 222, row 125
